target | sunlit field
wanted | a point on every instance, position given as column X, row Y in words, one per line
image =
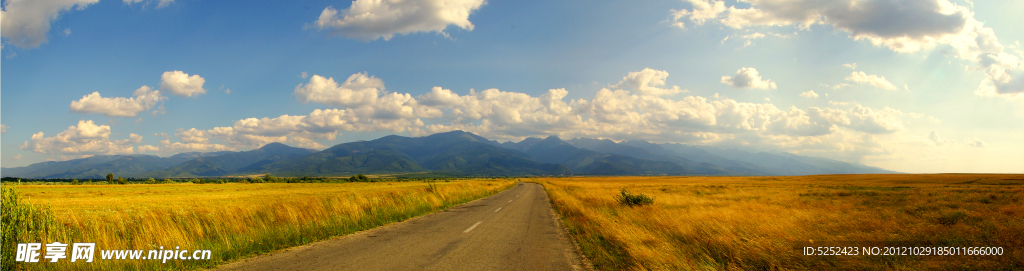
column 232, row 220
column 758, row 223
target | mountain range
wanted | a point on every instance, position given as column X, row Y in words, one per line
column 455, row 153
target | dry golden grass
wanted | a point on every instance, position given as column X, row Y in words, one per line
column 744, row 223
column 231, row 220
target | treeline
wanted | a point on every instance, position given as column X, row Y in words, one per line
column 267, row 178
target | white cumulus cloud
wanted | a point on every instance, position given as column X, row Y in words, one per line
column 369, row 20
column 647, row 82
column 809, row 94
column 748, row 78
column 181, row 84
column 84, row 138
column 933, row 138
column 143, row 99
column 25, row 23
column 148, row 148
column 871, row 79
column 358, row 90
column 3, row 128
column 635, row 108
column 902, row 26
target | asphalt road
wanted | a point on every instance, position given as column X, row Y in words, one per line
column 515, row 229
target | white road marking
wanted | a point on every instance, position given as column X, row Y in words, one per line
column 472, row 227
column 499, row 209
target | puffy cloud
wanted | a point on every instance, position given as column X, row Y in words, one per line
column 148, row 148
column 885, row 121
column 701, row 12
column 902, row 26
column 3, row 128
column 871, row 79
column 143, row 99
column 364, row 97
column 369, row 20
column 852, row 66
column 25, row 23
column 646, row 82
column 933, row 136
column 748, row 78
column 85, row 138
column 809, row 94
column 181, row 84
column 634, row 108
column 358, row 90
column 975, row 142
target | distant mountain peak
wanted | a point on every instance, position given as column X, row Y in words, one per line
column 274, row 145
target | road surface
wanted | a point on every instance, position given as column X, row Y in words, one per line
column 515, row 229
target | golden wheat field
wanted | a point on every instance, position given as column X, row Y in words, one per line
column 232, row 220
column 760, row 223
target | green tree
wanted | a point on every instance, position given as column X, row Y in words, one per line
column 75, row 181
column 121, row 180
column 110, row 178
column 359, row 178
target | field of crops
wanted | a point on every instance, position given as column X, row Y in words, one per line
column 760, row 223
column 232, row 220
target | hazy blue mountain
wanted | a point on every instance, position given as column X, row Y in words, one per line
column 231, row 162
column 778, row 164
column 840, row 166
column 588, row 162
column 455, row 152
column 656, row 153
column 697, row 155
column 97, row 167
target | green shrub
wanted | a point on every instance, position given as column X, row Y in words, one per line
column 359, row 178
column 625, row 198
column 22, row 222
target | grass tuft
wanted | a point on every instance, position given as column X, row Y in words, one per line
column 625, row 198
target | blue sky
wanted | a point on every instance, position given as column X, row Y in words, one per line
column 913, row 85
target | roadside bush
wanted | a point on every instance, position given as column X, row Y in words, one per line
column 21, row 222
column 625, row 198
